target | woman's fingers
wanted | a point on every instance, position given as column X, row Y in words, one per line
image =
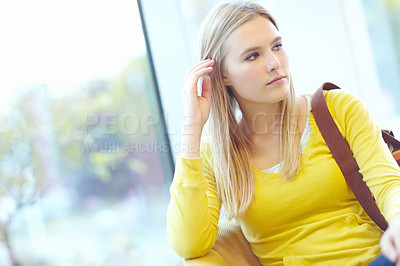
column 388, row 246
column 195, row 107
column 193, row 75
column 199, row 70
column 395, row 239
column 206, row 87
column 201, row 64
column 200, row 73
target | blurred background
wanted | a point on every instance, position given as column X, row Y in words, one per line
column 90, row 112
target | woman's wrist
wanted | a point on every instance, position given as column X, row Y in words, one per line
column 190, row 142
column 190, row 146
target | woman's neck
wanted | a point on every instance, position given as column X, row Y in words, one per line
column 261, row 120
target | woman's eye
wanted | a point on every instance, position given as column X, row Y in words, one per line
column 252, row 57
column 277, row 47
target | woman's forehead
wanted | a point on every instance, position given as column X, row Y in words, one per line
column 257, row 31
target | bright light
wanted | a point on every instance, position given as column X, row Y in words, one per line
column 64, row 43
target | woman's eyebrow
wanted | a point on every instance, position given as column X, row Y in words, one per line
column 249, row 50
column 277, row 38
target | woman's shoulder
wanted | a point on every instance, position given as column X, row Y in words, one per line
column 340, row 97
column 345, row 106
column 335, row 97
column 340, row 101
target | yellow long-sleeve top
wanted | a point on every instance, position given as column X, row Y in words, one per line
column 314, row 219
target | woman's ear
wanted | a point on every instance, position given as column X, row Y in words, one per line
column 226, row 81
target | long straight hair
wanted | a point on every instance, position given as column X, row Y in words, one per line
column 230, row 148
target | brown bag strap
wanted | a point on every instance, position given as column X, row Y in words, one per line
column 343, row 155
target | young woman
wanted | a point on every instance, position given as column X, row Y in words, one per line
column 265, row 160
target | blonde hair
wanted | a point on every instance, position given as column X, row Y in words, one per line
column 229, row 145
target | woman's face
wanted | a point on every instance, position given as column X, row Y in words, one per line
column 256, row 66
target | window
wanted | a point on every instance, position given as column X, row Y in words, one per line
column 85, row 164
column 383, row 19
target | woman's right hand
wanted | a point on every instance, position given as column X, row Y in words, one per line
column 196, row 109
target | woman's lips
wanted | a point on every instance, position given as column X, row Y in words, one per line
column 277, row 80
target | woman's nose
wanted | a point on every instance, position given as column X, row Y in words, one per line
column 272, row 63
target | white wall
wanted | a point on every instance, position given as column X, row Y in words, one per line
column 326, row 40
